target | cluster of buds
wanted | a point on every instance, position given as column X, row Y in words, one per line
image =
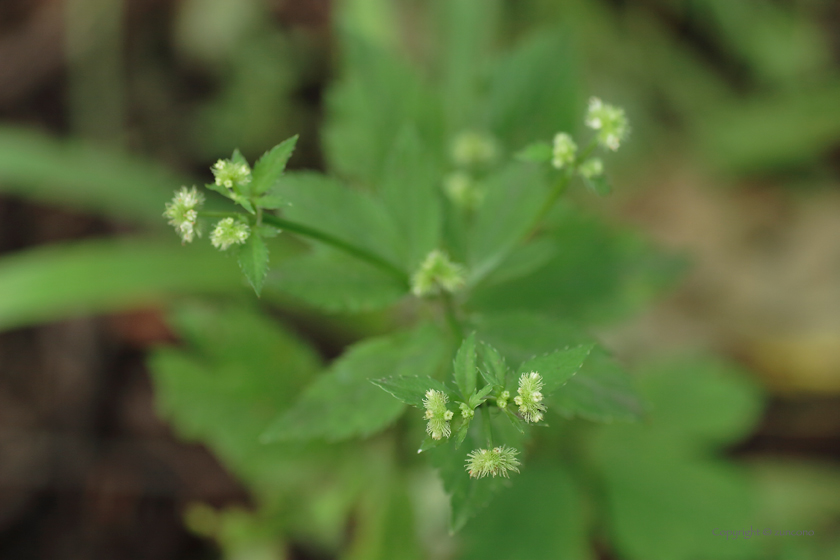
column 529, row 398
column 231, row 175
column 610, row 122
column 463, row 190
column 437, row 415
column 229, row 232
column 564, row 151
column 183, row 213
column 473, row 148
column 437, row 274
column 496, row 462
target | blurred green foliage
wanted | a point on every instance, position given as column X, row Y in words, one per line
column 634, row 465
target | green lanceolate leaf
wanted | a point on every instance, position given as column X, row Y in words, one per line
column 411, row 389
column 539, row 152
column 465, row 367
column 478, row 396
column 601, row 391
column 270, row 166
column 558, row 367
column 253, row 260
column 493, row 368
column 343, row 403
column 237, row 157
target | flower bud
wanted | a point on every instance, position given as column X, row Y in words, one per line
column 437, row 415
column 229, row 232
column 182, row 212
column 230, row 174
column 609, row 121
column 496, row 462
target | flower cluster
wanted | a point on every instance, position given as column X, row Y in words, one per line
column 437, row 274
column 463, row 190
column 496, row 462
column 609, row 121
column 472, row 148
column 230, row 174
column 229, row 232
column 563, row 151
column 529, row 399
column 437, row 414
column 183, row 212
column 591, row 168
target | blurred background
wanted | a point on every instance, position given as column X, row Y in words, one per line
column 106, row 106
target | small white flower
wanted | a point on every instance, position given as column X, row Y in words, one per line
column 609, row 121
column 230, row 174
column 229, row 232
column 564, row 150
column 182, row 212
column 437, row 414
column 496, row 462
column 529, row 398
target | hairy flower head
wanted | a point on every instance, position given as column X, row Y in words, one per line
column 437, row 274
column 230, row 174
column 609, row 121
column 529, row 399
column 229, row 232
column 437, row 414
column 497, row 462
column 473, row 148
column 182, row 212
column 564, row 150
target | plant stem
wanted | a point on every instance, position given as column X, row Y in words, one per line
column 328, row 239
column 488, row 429
column 451, row 316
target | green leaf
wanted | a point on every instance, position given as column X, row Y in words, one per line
column 544, row 497
column 598, row 184
column 235, row 371
column 224, row 191
column 515, row 420
column 493, row 368
column 465, row 366
column 411, row 389
column 666, row 489
column 514, row 198
column 601, row 391
column 270, row 167
column 478, row 396
column 538, row 152
column 409, row 190
column 335, row 282
column 253, row 261
column 525, row 260
column 343, row 403
column 461, row 432
column 519, row 336
column 85, row 177
column 533, row 91
column 237, row 157
column 596, row 275
column 558, row 367
column 243, row 202
column 323, row 203
column 87, row 277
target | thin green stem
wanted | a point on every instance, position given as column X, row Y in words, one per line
column 488, row 429
column 209, row 214
column 340, row 244
column 452, row 316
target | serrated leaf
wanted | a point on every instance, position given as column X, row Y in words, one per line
column 461, row 432
column 343, row 403
column 478, row 397
column 465, row 367
column 243, row 202
column 271, row 166
column 493, row 368
column 520, row 336
column 558, row 367
column 411, row 389
column 599, row 185
column 335, row 282
column 224, row 191
column 272, row 200
column 539, row 152
column 515, row 420
column 253, row 261
column 601, row 391
column 237, row 157
column 429, row 443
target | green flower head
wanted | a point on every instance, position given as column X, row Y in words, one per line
column 609, row 121
column 437, row 414
column 230, row 174
column 529, row 399
column 564, row 151
column 182, row 212
column 473, row 148
column 593, row 167
column 463, row 190
column 437, row 274
column 496, row 462
column 229, row 232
